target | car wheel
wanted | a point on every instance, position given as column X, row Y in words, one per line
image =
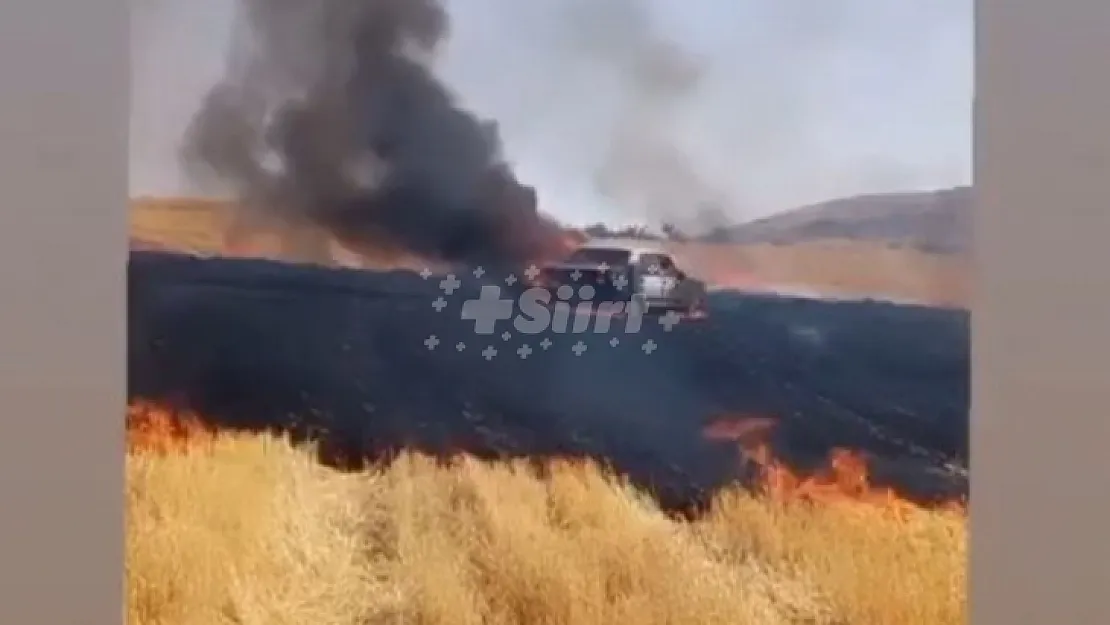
column 697, row 308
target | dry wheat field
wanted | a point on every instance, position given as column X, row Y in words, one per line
column 225, row 528
column 832, row 267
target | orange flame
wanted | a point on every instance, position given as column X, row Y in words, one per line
column 155, row 428
column 152, row 428
column 845, row 480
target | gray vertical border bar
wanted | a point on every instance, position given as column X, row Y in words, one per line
column 1040, row 427
column 64, row 85
column 1043, row 177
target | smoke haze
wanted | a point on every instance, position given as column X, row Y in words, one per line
column 687, row 112
column 676, row 111
column 330, row 114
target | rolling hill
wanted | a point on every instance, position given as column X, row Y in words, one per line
column 932, row 221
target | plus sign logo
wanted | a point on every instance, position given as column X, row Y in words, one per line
column 538, row 310
column 568, row 309
column 488, row 309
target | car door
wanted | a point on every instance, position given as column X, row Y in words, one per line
column 655, row 281
column 668, row 273
column 652, row 280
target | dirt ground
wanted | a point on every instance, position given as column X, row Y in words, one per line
column 248, row 340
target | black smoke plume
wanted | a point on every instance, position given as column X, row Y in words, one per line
column 330, row 114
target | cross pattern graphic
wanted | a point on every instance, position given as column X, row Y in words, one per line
column 489, row 352
column 532, row 272
column 439, row 304
column 649, row 347
column 488, row 309
column 576, row 275
column 479, row 272
column 450, row 284
column 425, row 273
column 669, row 320
column 460, row 346
column 579, row 348
column 620, row 282
column 602, row 270
column 511, row 280
column 431, row 342
column 524, row 351
column 545, row 343
column 614, row 341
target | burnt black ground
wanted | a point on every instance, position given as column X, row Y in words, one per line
column 341, row 355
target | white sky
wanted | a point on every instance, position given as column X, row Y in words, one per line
column 802, row 100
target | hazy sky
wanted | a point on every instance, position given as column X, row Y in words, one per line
column 798, row 100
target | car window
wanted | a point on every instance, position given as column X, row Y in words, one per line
column 610, row 257
column 657, row 263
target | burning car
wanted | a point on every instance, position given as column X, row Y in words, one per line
column 625, row 271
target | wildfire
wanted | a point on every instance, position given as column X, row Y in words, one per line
column 158, row 429
column 572, row 238
column 844, row 480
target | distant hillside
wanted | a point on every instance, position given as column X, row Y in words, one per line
column 932, row 221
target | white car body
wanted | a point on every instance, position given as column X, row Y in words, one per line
column 646, row 270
